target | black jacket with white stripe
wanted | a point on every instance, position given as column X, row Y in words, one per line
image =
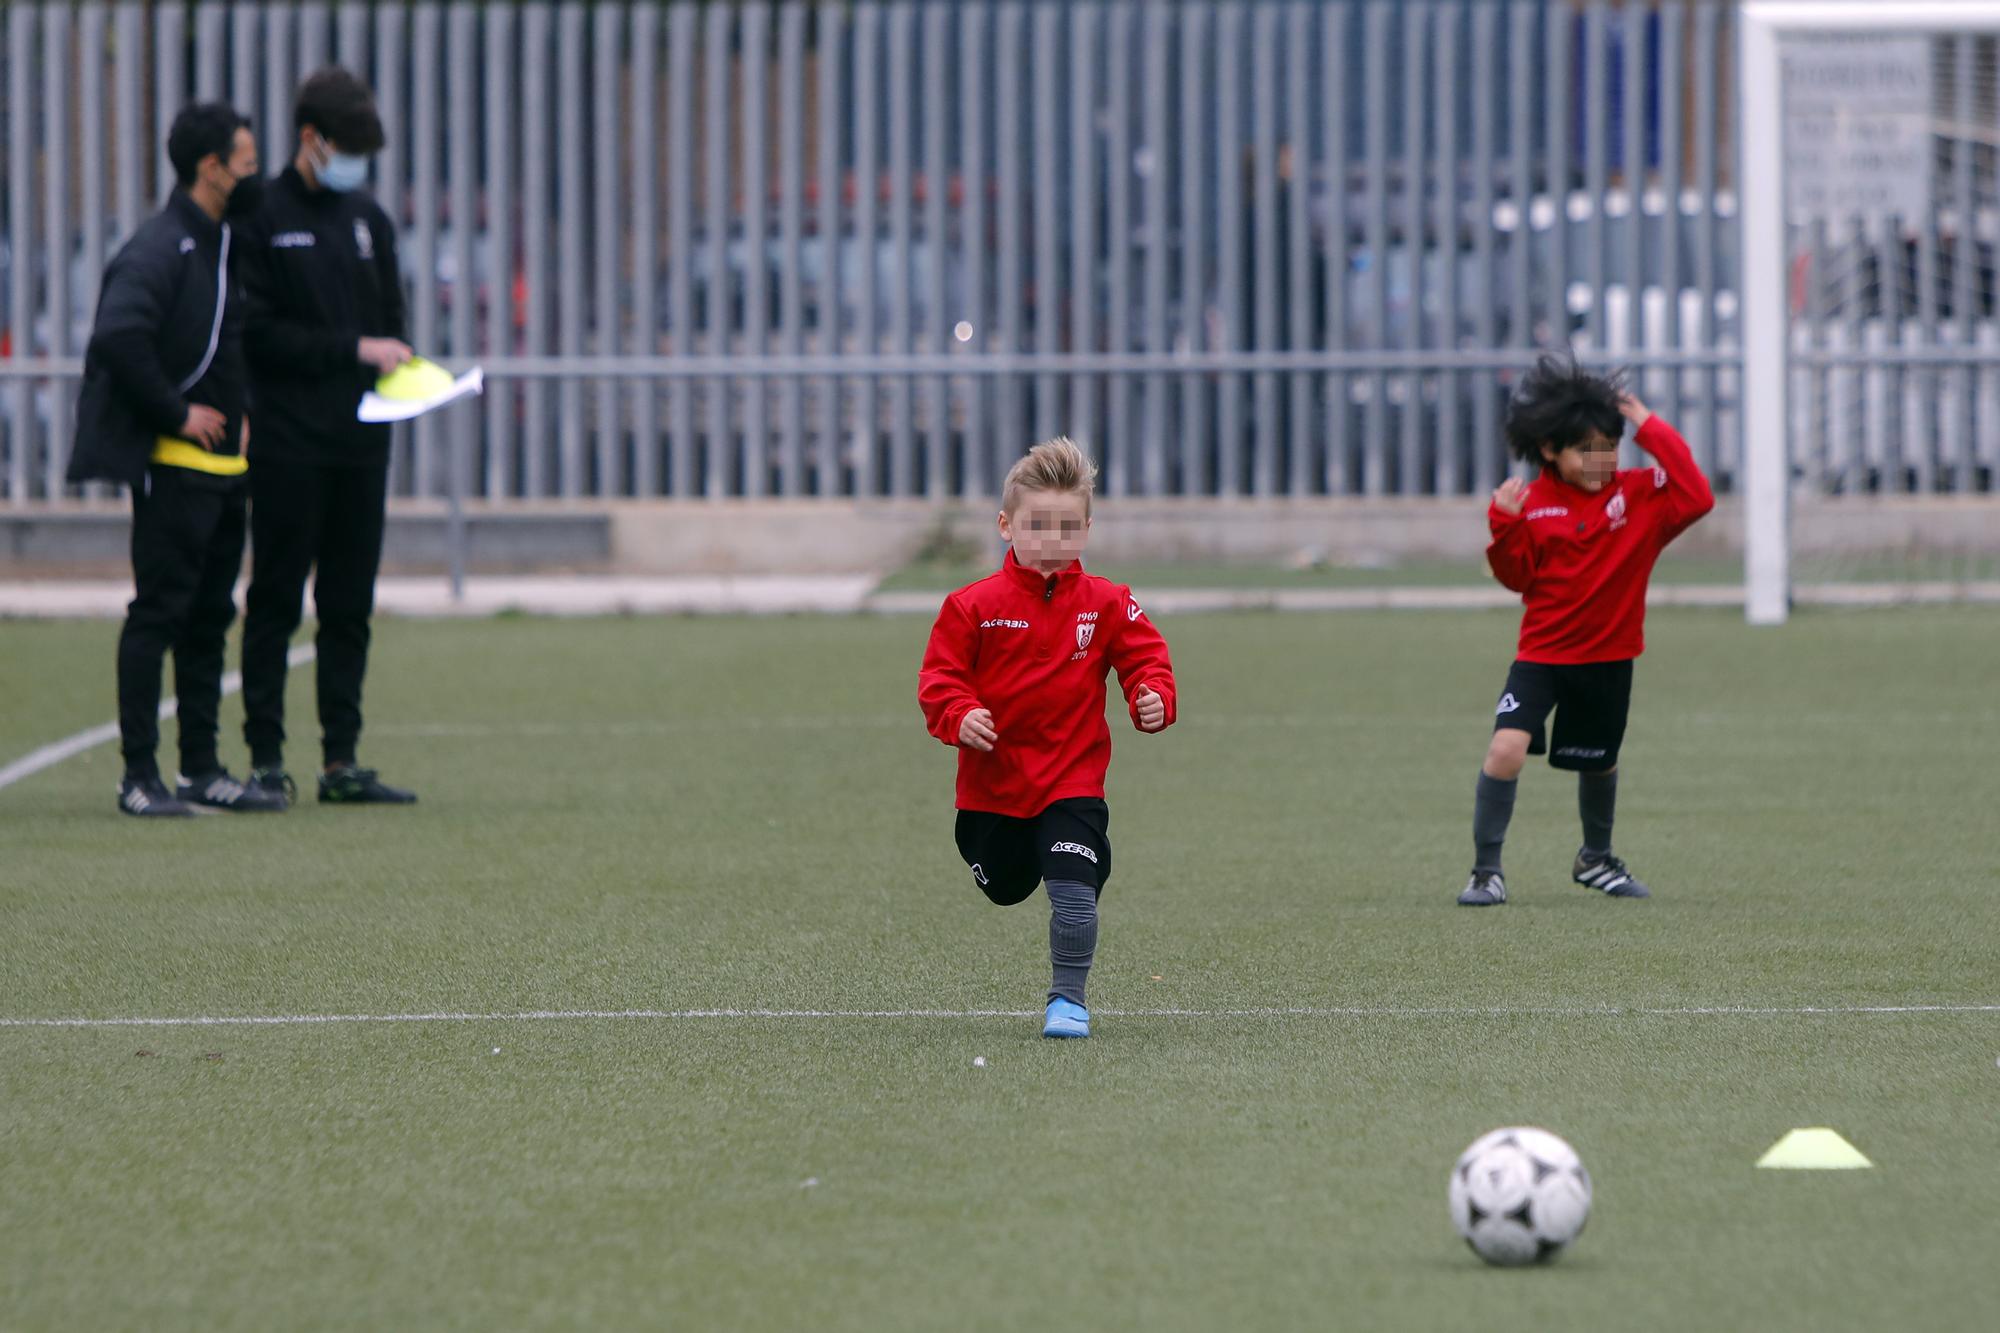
column 168, row 333
column 321, row 274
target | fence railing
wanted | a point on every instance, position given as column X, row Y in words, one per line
column 879, row 248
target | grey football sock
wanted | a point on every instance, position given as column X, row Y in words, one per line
column 1492, row 808
column 1596, row 801
column 1072, row 937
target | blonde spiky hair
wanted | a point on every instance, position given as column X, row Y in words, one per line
column 1052, row 465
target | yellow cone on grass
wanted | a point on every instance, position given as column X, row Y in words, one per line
column 1813, row 1150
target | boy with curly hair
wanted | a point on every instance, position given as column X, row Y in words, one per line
column 1578, row 543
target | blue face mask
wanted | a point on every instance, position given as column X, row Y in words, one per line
column 342, row 172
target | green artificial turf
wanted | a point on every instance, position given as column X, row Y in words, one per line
column 676, row 815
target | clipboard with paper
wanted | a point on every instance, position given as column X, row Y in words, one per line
column 416, row 387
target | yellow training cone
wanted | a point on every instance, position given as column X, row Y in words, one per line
column 1813, row 1150
column 414, row 381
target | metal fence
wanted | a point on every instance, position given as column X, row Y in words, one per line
column 877, row 249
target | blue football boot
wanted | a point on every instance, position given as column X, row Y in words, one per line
column 1066, row 1018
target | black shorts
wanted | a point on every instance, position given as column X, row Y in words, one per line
column 1590, row 702
column 1011, row 857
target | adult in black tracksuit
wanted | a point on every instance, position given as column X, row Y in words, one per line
column 326, row 320
column 162, row 410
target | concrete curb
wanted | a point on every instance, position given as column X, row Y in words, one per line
column 1190, row 601
column 430, row 598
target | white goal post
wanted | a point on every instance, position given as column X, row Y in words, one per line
column 1762, row 28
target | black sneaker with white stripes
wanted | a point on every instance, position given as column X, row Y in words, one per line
column 1608, row 875
column 219, row 791
column 1486, row 888
column 148, row 798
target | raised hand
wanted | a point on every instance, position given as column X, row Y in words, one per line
column 1510, row 495
column 1634, row 411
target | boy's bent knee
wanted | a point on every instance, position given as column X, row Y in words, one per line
column 1507, row 754
column 1005, row 891
column 1001, row 895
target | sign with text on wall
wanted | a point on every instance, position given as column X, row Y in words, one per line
column 1857, row 129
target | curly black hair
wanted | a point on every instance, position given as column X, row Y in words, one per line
column 1561, row 404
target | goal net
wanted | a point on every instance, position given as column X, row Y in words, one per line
column 1872, row 338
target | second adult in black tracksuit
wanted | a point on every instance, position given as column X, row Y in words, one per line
column 167, row 339
column 320, row 270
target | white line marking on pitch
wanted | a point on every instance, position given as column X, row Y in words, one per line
column 50, row 755
column 1358, row 1011
column 910, row 721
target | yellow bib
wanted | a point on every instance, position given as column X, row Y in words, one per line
column 171, row 452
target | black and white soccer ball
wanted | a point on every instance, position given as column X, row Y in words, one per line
column 1519, row 1196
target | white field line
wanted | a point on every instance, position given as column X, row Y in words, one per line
column 913, row 721
column 50, row 755
column 1357, row 1011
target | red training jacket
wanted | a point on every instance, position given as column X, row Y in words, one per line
column 1580, row 560
column 1033, row 650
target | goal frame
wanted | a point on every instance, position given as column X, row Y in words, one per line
column 1762, row 26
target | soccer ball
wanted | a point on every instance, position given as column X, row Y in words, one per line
column 1518, row 1196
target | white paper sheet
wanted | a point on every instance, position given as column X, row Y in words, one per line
column 376, row 408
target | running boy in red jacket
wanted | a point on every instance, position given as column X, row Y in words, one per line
column 1578, row 543
column 1014, row 677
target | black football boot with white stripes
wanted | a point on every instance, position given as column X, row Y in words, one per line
column 219, row 791
column 148, row 798
column 1607, row 874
